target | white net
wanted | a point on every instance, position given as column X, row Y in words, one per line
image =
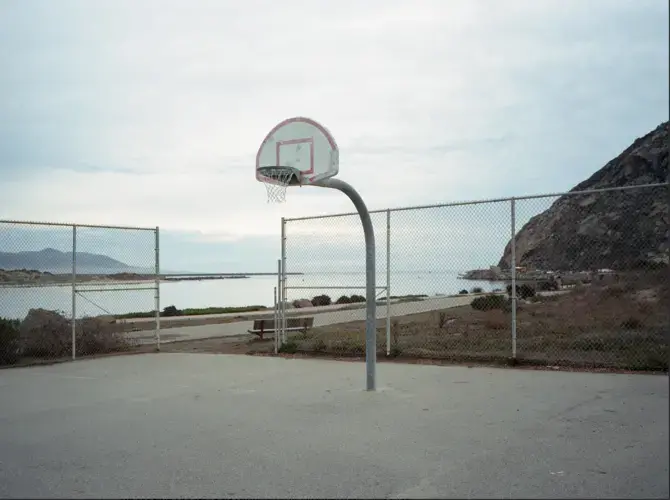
column 281, row 179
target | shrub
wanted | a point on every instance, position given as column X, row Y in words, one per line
column 356, row 298
column 98, row 336
column 321, row 300
column 48, row 334
column 320, row 345
column 463, row 292
column 171, row 311
column 524, row 291
column 289, row 347
column 614, row 291
column 631, row 323
column 9, row 341
column 343, row 300
column 496, row 320
column 527, row 291
column 547, row 286
column 349, row 346
column 488, row 302
column 45, row 333
column 477, row 289
column 647, row 265
column 395, row 335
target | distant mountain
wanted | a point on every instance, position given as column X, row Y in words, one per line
column 618, row 229
column 55, row 261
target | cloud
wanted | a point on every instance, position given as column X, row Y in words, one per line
column 150, row 112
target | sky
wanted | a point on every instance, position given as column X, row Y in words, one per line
column 150, row 113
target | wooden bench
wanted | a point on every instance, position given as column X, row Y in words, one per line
column 263, row 326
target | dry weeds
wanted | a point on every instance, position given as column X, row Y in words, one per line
column 623, row 325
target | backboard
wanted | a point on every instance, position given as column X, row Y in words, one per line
column 302, row 144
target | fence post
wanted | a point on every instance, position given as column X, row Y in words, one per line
column 388, row 282
column 283, row 279
column 275, row 322
column 513, row 273
column 157, row 295
column 278, row 307
column 74, row 292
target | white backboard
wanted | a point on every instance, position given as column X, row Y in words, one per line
column 299, row 143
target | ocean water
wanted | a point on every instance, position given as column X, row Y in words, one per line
column 258, row 290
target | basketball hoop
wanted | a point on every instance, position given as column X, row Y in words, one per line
column 301, row 152
column 277, row 179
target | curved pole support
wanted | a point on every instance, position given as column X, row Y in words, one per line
column 370, row 267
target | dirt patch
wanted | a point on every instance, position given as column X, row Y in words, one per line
column 144, row 326
column 223, row 345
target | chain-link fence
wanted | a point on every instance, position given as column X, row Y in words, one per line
column 572, row 279
column 69, row 290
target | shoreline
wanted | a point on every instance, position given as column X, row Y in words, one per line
column 31, row 277
column 47, row 279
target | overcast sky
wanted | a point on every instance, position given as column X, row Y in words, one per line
column 150, row 113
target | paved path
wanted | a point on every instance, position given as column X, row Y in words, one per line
column 253, row 314
column 323, row 316
column 322, row 319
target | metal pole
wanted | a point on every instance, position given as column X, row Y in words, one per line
column 276, row 317
column 370, row 296
column 283, row 281
column 513, row 273
column 157, row 296
column 388, row 282
column 279, row 305
column 74, row 292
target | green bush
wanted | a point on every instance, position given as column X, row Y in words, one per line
column 171, row 311
column 289, row 347
column 463, row 292
column 524, row 291
column 477, row 289
column 343, row 300
column 356, row 298
column 488, row 302
column 548, row 286
column 321, row 300
column 9, row 341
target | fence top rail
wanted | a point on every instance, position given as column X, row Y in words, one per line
column 74, row 224
column 488, row 200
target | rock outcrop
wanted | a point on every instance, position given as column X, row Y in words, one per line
column 619, row 230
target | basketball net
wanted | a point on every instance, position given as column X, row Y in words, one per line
column 281, row 178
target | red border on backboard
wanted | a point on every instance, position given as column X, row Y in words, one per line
column 321, row 128
column 308, row 140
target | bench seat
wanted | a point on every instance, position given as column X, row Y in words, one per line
column 263, row 326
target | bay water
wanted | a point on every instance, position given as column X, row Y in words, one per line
column 256, row 290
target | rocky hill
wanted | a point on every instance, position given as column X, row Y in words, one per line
column 617, row 230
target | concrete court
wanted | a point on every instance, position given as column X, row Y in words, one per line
column 199, row 425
